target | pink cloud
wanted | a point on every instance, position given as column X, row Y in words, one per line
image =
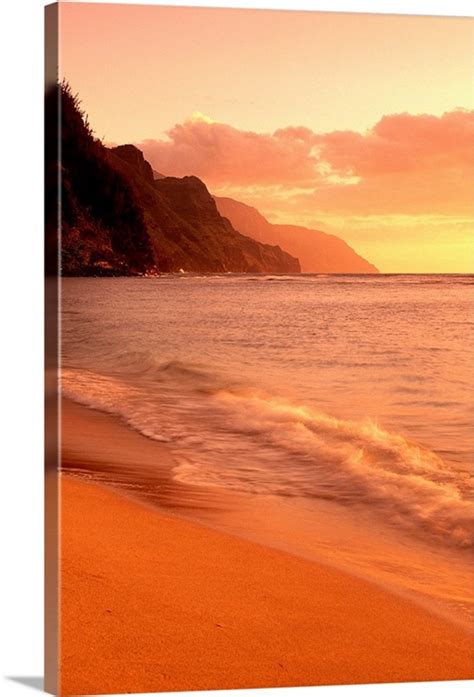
column 222, row 154
column 410, row 193
column 402, row 143
column 406, row 164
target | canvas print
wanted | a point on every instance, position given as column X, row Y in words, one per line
column 259, row 290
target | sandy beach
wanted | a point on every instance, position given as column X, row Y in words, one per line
column 153, row 601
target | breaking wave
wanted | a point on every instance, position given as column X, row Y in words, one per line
column 229, row 435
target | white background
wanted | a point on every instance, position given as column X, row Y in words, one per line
column 21, row 339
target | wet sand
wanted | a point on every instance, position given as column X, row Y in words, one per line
column 151, row 601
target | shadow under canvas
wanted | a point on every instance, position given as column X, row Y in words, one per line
column 36, row 682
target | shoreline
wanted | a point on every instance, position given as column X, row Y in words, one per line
column 101, row 446
column 152, row 600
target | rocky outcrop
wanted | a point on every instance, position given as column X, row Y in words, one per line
column 185, row 227
column 103, row 231
column 119, row 217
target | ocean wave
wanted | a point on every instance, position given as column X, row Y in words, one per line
column 243, row 438
column 360, row 462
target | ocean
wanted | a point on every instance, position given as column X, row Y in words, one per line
column 339, row 407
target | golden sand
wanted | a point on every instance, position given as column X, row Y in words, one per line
column 154, row 602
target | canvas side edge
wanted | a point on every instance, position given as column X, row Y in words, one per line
column 52, row 434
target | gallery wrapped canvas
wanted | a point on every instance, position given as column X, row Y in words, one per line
column 259, row 348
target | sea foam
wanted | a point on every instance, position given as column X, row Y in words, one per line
column 246, row 439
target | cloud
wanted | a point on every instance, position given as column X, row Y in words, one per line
column 402, row 143
column 221, row 154
column 406, row 164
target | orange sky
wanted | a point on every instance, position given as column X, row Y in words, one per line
column 349, row 123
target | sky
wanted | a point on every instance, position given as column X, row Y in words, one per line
column 359, row 125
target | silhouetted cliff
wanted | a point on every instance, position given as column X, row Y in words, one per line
column 103, row 231
column 185, row 228
column 117, row 220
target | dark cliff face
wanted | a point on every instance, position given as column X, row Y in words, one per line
column 186, row 229
column 317, row 251
column 102, row 227
column 134, row 157
column 118, row 218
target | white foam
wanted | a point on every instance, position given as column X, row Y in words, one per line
column 253, row 441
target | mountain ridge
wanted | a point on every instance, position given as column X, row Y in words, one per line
column 185, row 227
column 120, row 217
column 317, row 251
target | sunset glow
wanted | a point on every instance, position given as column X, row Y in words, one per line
column 261, row 352
column 358, row 125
